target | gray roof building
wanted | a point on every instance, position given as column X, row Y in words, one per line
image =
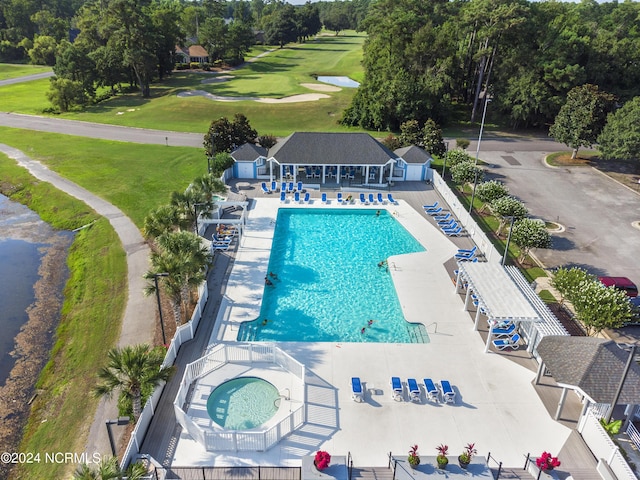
column 310, row 148
column 594, row 365
column 248, row 152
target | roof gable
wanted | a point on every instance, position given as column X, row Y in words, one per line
column 413, row 154
column 311, row 148
column 197, row 51
column 248, row 152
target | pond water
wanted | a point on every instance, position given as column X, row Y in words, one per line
column 339, row 81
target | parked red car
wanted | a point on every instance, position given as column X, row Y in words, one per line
column 621, row 283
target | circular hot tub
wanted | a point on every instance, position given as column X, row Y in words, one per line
column 243, row 403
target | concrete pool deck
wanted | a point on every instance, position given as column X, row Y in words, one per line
column 497, row 407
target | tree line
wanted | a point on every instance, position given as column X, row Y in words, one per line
column 432, row 59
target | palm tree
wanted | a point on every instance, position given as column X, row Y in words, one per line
column 108, row 469
column 166, row 218
column 184, row 257
column 135, row 371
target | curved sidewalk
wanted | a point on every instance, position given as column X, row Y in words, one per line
column 139, row 315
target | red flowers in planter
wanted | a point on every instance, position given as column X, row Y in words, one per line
column 547, row 462
column 322, row 460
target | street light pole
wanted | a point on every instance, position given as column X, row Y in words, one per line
column 506, row 249
column 108, row 423
column 155, row 280
column 475, row 179
column 195, row 213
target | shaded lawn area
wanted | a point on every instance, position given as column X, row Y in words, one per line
column 135, row 178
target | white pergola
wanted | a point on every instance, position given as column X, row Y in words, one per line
column 496, row 295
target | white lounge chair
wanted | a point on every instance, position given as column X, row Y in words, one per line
column 431, row 390
column 357, row 393
column 509, row 342
column 396, row 389
column 414, row 390
column 448, row 395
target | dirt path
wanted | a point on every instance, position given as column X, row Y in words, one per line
column 139, row 317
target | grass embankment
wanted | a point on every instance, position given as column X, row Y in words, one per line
column 135, row 178
column 11, row 70
column 278, row 74
column 95, row 297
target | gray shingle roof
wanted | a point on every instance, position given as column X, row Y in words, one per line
column 309, row 148
column 248, row 152
column 595, row 365
column 413, row 154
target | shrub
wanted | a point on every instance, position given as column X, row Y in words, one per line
column 505, row 207
column 457, row 156
column 462, row 143
column 491, row 190
column 529, row 233
column 466, row 172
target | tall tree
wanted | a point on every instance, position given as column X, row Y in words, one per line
column 134, row 371
column 620, row 137
column 529, row 233
column 582, row 117
column 226, row 136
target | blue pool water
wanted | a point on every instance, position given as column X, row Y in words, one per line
column 339, row 81
column 243, row 403
column 329, row 283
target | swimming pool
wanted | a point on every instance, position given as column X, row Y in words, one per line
column 329, row 285
column 243, row 403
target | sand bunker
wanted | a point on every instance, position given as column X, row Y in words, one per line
column 306, row 97
column 321, row 87
column 220, row 78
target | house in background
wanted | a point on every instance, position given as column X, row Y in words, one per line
column 192, row 54
column 332, row 158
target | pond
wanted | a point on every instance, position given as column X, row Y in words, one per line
column 339, row 81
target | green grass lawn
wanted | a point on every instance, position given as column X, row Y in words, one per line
column 135, row 178
column 63, row 410
column 276, row 75
column 12, row 70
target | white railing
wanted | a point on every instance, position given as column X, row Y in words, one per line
column 462, row 214
column 634, row 435
column 599, row 410
column 218, row 440
column 183, row 333
column 603, row 447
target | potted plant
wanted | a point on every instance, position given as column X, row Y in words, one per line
column 322, row 459
column 442, row 455
column 464, row 459
column 546, row 462
column 413, row 459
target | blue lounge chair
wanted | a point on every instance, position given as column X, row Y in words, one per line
column 509, row 342
column 372, row 199
column 442, row 218
column 290, row 187
column 430, row 207
column 296, row 197
column 414, row 390
column 274, row 186
column 339, row 198
column 448, row 395
column 357, row 394
column 434, row 211
column 454, row 233
column 468, row 250
column 307, row 197
column 380, row 199
column 447, row 223
column 283, row 196
column 504, row 332
column 430, row 389
column 323, row 197
column 283, row 187
column 300, row 186
column 447, row 228
column 465, row 256
column 396, row 389
column 363, row 200
column 308, row 172
column 264, row 188
column 391, row 199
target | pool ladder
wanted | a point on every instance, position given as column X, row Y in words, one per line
column 287, row 397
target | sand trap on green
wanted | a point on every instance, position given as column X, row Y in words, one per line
column 305, row 97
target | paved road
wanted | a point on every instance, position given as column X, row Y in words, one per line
column 26, row 78
column 101, row 130
column 138, row 324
